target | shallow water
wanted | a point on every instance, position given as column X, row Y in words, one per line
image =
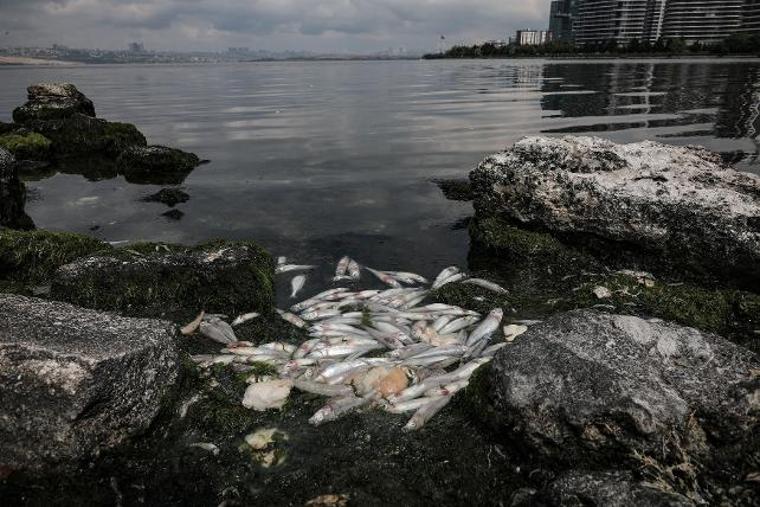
column 318, row 159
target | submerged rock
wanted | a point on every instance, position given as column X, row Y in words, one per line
column 53, row 101
column 586, row 387
column 169, row 196
column 74, row 381
column 219, row 277
column 12, row 195
column 455, row 189
column 156, row 164
column 679, row 203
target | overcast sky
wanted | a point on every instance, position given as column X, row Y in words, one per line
column 315, row 25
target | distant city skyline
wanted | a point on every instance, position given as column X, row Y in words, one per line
column 341, row 26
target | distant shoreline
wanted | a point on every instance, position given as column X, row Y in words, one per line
column 20, row 60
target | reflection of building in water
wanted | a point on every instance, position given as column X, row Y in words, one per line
column 726, row 96
column 705, row 21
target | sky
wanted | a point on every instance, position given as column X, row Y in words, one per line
column 347, row 26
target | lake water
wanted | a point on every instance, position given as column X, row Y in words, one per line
column 318, row 159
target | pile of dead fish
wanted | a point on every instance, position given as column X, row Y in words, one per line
column 382, row 348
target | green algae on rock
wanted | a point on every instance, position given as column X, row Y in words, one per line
column 26, row 145
column 33, row 256
column 175, row 282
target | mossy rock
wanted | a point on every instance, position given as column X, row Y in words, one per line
column 33, row 256
column 156, row 165
column 170, row 281
column 27, row 146
column 81, row 136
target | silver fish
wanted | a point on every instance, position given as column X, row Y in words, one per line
column 384, row 277
column 494, row 287
column 312, row 387
column 296, row 285
column 354, row 270
column 244, row 318
column 443, row 275
column 293, row 319
column 341, row 268
column 217, row 330
column 426, row 412
column 281, row 260
column 487, row 327
column 336, row 408
column 286, row 268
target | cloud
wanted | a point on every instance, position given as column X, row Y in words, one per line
column 314, row 24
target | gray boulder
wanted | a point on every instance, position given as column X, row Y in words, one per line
column 608, row 489
column 604, row 390
column 12, row 195
column 74, row 381
column 53, row 101
column 677, row 203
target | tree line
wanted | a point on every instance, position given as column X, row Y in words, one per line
column 734, row 44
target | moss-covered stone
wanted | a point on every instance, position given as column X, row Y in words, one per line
column 82, row 136
column 26, row 146
column 33, row 256
column 171, row 281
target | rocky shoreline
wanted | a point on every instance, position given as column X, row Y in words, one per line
column 641, row 385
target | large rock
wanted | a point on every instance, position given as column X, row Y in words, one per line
column 608, row 489
column 80, row 136
column 53, row 101
column 171, row 281
column 75, row 381
column 594, row 388
column 12, row 195
column 676, row 203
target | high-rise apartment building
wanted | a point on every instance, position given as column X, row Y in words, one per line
column 623, row 21
column 705, row 21
column 561, row 19
column 532, row 37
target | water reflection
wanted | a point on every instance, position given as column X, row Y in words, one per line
column 335, row 158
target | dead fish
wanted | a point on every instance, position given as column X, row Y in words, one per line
column 293, row 319
column 281, row 260
column 244, row 318
column 408, row 406
column 443, row 275
column 487, row 327
column 192, row 327
column 296, row 285
column 286, row 268
column 206, row 446
column 321, row 389
column 426, row 412
column 406, row 277
column 494, row 287
column 354, row 270
column 512, row 331
column 459, row 324
column 336, row 408
column 341, row 268
column 219, row 331
column 454, row 278
column 493, row 349
column 384, row 277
